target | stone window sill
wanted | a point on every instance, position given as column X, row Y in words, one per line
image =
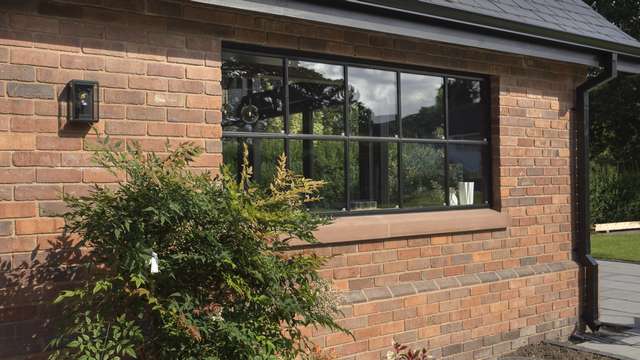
column 377, row 227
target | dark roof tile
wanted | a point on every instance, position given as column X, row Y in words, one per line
column 570, row 16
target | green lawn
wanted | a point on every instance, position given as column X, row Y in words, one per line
column 616, row 246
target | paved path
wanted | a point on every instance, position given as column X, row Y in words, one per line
column 619, row 304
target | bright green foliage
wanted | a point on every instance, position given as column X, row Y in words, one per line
column 616, row 246
column 615, row 107
column 229, row 286
column 615, row 195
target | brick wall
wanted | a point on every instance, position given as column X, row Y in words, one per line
column 472, row 295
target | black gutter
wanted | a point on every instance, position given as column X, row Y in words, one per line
column 588, row 275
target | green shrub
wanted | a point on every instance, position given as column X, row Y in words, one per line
column 229, row 285
column 615, row 195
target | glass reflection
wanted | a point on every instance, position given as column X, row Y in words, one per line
column 422, row 99
column 263, row 157
column 467, row 112
column 372, row 103
column 466, row 181
column 316, row 98
column 422, row 175
column 252, row 93
column 321, row 160
column 374, row 175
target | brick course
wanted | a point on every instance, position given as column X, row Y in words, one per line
column 464, row 296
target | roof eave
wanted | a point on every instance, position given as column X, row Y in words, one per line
column 348, row 13
column 490, row 23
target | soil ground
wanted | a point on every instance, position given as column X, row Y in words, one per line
column 551, row 352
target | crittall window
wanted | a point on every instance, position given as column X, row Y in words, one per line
column 382, row 138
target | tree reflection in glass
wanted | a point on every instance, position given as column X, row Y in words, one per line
column 374, row 175
column 321, row 160
column 316, row 98
column 422, row 175
column 422, row 105
column 252, row 93
column 467, row 110
column 263, row 156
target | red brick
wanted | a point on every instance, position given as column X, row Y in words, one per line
column 203, row 102
column 203, row 73
column 35, row 23
column 182, row 56
column 17, row 142
column 165, row 70
column 132, row 97
column 82, row 62
column 38, row 192
column 82, row 29
column 101, row 176
column 77, row 160
column 18, row 72
column 125, row 66
column 16, row 176
column 146, row 113
column 125, row 128
column 47, row 142
column 38, row 226
column 32, row 124
column 109, row 111
column 102, row 47
column 16, row 106
column 17, row 209
column 185, row 115
column 165, row 99
column 186, row 86
column 31, row 158
column 163, row 129
column 147, row 83
column 107, row 80
column 58, row 175
column 167, row 40
column 56, row 42
column 34, row 57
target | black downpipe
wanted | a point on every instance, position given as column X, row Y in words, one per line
column 588, row 277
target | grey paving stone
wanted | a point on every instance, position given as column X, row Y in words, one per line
column 619, row 304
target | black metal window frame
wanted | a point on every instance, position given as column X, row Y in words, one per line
column 347, row 138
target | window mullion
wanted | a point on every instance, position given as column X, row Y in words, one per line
column 347, row 132
column 286, row 110
column 447, row 195
column 399, row 114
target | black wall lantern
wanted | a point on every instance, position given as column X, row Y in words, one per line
column 83, row 101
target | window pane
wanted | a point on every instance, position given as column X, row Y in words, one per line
column 252, row 93
column 263, row 156
column 321, row 160
column 373, row 103
column 422, row 175
column 374, row 175
column 316, row 98
column 467, row 110
column 467, row 166
column 422, row 99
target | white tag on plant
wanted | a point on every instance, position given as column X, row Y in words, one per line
column 154, row 263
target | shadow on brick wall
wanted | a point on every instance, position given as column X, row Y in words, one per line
column 27, row 291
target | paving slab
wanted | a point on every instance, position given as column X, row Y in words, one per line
column 619, row 305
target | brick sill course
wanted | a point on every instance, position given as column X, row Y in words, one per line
column 379, row 227
column 449, row 283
